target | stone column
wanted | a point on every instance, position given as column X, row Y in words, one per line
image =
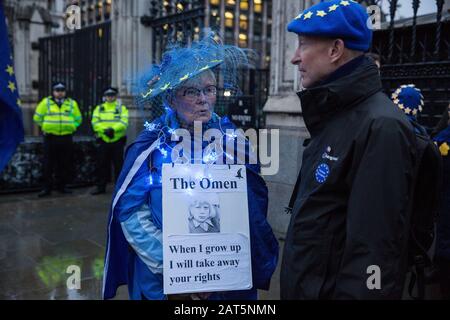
column 131, row 54
column 283, row 112
column 29, row 24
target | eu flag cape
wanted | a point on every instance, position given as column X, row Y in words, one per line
column 11, row 125
column 264, row 246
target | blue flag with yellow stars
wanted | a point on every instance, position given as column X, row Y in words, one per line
column 11, row 125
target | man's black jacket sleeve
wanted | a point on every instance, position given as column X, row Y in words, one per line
column 378, row 210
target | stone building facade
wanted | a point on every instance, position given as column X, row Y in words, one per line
column 283, row 111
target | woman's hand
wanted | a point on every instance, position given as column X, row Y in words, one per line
column 200, row 295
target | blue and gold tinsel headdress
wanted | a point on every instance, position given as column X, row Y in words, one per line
column 180, row 63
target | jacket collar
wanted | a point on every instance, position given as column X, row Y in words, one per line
column 55, row 101
column 110, row 104
column 205, row 225
column 344, row 89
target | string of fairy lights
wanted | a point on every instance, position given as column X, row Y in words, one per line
column 211, row 153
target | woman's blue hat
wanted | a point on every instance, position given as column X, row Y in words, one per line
column 343, row 19
column 180, row 63
column 408, row 98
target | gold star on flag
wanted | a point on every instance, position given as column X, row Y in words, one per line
column 19, row 103
column 299, row 16
column 345, row 3
column 11, row 86
column 408, row 110
column 307, row 15
column 321, row 13
column 9, row 70
column 333, row 7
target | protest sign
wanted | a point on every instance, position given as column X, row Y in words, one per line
column 206, row 238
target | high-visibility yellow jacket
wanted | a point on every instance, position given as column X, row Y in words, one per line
column 57, row 120
column 110, row 115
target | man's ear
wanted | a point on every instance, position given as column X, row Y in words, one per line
column 337, row 50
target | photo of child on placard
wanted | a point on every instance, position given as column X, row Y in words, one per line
column 204, row 214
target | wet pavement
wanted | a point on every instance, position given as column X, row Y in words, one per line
column 41, row 238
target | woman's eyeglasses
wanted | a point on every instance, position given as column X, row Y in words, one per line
column 192, row 93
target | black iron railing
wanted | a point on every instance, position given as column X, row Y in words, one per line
column 417, row 50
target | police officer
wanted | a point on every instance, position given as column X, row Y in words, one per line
column 59, row 117
column 110, row 122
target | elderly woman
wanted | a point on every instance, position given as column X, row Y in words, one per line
column 185, row 85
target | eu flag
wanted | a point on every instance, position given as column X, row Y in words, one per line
column 11, row 124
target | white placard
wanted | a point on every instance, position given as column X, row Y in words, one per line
column 206, row 238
